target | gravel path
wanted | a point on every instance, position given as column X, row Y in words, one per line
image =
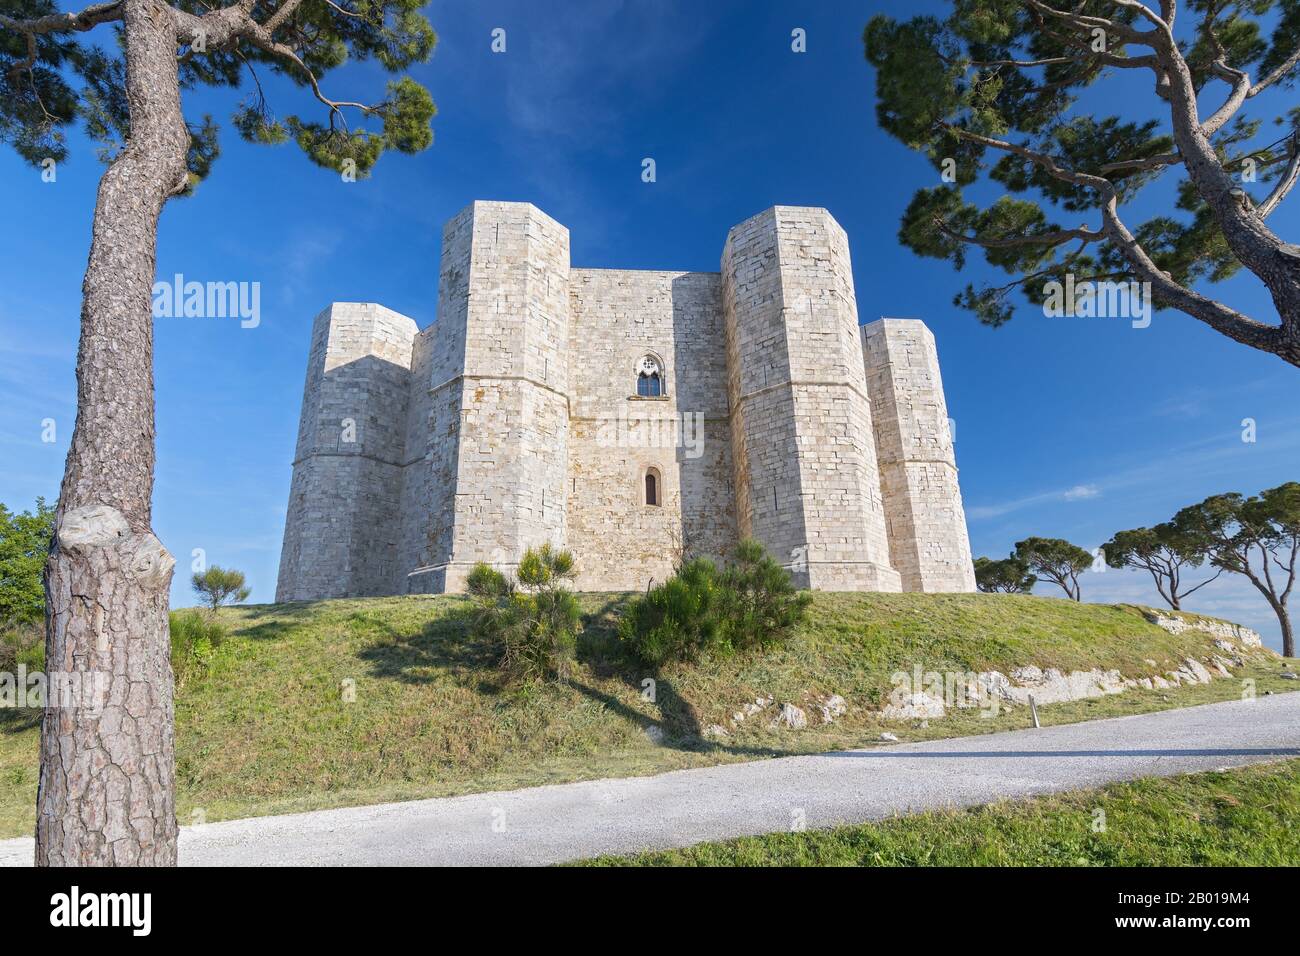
column 572, row 821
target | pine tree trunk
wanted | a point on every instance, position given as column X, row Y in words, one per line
column 1288, row 632
column 107, row 784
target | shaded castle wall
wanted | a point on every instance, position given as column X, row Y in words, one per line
column 804, row 453
column 428, row 474
column 617, row 318
column 342, row 522
column 918, row 467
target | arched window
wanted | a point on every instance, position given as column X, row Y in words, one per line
column 653, row 491
column 650, row 378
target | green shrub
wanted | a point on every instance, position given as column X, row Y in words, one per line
column 701, row 611
column 535, row 620
column 676, row 620
column 195, row 637
column 760, row 605
column 23, row 644
column 24, row 546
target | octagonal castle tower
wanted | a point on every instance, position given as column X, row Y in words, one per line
column 633, row 417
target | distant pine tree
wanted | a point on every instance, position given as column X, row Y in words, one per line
column 217, row 586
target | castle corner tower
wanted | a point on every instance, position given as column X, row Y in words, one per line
column 344, row 501
column 807, row 486
column 498, row 384
column 918, row 468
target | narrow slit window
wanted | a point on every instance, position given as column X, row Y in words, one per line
column 651, row 488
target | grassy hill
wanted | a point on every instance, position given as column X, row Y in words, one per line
column 266, row 729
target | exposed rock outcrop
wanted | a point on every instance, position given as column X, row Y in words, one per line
column 1225, row 630
column 918, row 706
column 1047, row 686
column 790, row 716
column 832, row 707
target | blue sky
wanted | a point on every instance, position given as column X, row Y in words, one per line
column 1066, row 427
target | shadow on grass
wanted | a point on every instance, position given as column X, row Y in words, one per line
column 448, row 643
column 14, row 720
column 448, row 646
column 602, row 653
column 445, row 644
column 281, row 619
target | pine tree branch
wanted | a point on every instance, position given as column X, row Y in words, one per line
column 1042, row 160
column 1240, row 81
column 1286, row 183
column 1228, row 321
column 230, row 24
column 1087, row 24
column 282, row 13
column 1146, row 12
column 82, row 21
column 1218, row 316
column 1150, row 162
column 1209, row 580
column 1287, row 66
column 260, row 37
column 1055, row 238
column 86, row 19
column 1276, row 263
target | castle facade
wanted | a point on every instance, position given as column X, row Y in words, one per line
column 632, row 417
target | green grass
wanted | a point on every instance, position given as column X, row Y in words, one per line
column 1243, row 817
column 265, row 730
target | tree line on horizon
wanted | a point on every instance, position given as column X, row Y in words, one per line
column 1257, row 537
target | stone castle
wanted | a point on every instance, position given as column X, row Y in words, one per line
column 632, row 417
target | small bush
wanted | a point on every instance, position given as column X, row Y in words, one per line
column 535, row 620
column 676, row 620
column 760, row 605
column 195, row 637
column 23, row 644
column 701, row 611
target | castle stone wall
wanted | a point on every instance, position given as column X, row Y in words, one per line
column 434, row 450
column 618, row 318
column 428, row 472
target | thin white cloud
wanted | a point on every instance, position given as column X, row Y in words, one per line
column 1075, row 493
column 309, row 252
column 1215, row 455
